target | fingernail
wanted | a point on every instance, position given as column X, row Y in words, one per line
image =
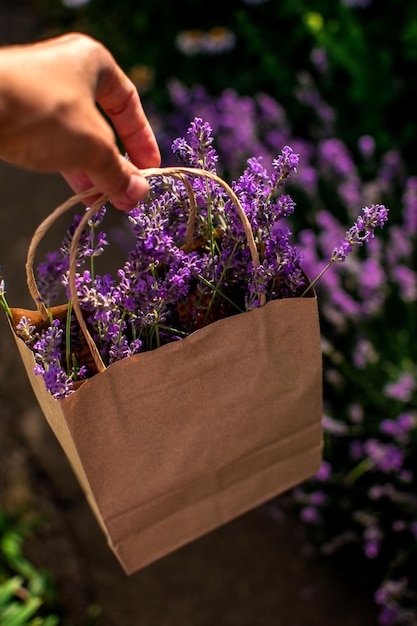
column 137, row 188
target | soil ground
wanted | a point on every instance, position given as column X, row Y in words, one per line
column 252, row 572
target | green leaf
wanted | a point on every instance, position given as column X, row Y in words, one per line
column 18, row 614
column 38, row 582
column 11, row 544
column 51, row 620
column 8, row 589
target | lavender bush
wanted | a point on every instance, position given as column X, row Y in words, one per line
column 362, row 506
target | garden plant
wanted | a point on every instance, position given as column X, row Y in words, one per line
column 27, row 594
column 362, row 507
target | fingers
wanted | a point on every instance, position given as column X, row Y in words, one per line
column 115, row 176
column 123, row 186
column 119, row 98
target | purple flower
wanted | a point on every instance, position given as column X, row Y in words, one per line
column 318, row 498
column 310, row 515
column 399, row 428
column 26, row 330
column 334, row 427
column 410, row 205
column 121, row 349
column 48, row 346
column 387, row 457
column 319, row 59
column 324, row 472
column 389, row 613
column 372, row 549
column 335, row 156
column 286, row 163
column 366, row 145
column 356, row 450
column 403, row 388
column 362, row 231
column 376, row 492
column 407, row 282
column 364, row 353
column 198, row 151
column 50, row 274
column 56, row 381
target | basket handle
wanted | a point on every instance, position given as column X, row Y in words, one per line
column 176, row 172
column 39, row 234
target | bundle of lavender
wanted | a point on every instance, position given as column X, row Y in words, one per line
column 194, row 261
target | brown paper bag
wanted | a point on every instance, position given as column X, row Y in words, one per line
column 170, row 444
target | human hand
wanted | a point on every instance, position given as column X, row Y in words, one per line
column 50, row 122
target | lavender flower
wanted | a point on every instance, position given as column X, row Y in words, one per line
column 56, row 381
column 286, row 163
column 26, row 330
column 48, row 347
column 50, row 274
column 403, row 388
column 198, row 152
column 3, row 300
column 362, row 231
column 387, row 457
column 310, row 515
column 410, row 205
column 48, row 352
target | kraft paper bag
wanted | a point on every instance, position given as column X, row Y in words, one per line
column 173, row 443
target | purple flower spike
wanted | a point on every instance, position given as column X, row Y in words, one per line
column 286, row 163
column 362, row 230
column 198, row 151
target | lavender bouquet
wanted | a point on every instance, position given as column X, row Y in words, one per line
column 190, row 265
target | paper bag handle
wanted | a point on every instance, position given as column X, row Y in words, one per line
column 176, row 172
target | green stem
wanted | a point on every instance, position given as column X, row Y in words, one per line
column 358, row 471
column 216, row 290
column 221, row 294
column 6, row 307
column 156, row 326
column 173, row 330
column 68, row 338
column 92, row 264
column 210, row 223
column 122, row 319
column 311, row 285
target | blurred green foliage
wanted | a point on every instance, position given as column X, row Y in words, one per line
column 27, row 595
column 371, row 54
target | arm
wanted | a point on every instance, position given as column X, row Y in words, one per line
column 50, row 122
